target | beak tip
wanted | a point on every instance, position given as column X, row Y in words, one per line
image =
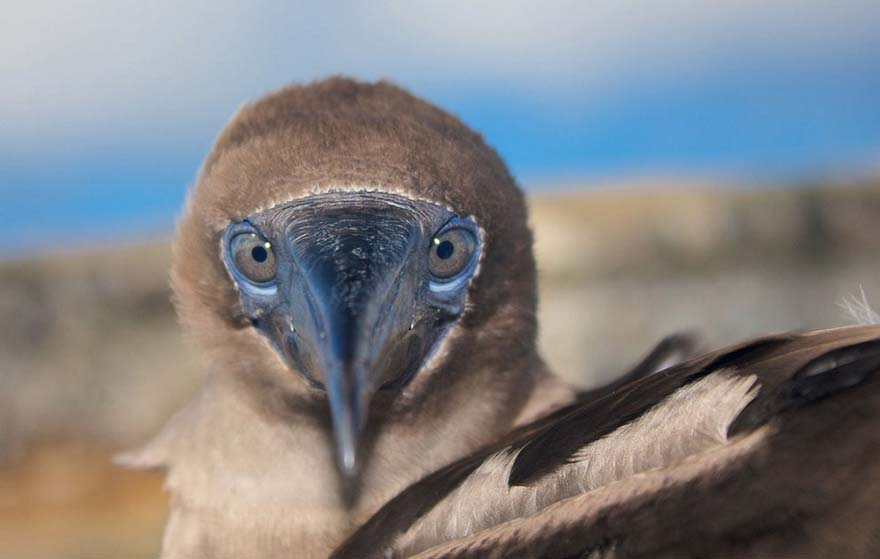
column 346, row 431
column 348, row 465
column 347, row 403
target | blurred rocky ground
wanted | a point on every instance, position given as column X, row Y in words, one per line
column 92, row 358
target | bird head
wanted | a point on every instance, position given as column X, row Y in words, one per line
column 358, row 254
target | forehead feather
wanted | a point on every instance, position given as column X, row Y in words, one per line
column 350, row 136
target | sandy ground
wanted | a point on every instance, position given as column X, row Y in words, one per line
column 66, row 500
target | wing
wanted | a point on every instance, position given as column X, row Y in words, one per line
column 769, row 448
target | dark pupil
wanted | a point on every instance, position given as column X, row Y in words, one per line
column 445, row 249
column 260, row 254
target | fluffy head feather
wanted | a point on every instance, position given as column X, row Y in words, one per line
column 259, row 431
column 343, row 135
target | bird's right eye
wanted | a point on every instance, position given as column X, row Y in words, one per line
column 253, row 257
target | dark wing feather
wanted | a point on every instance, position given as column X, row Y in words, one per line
column 596, row 418
column 810, row 489
column 745, row 503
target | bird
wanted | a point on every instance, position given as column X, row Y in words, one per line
column 768, row 448
column 356, row 266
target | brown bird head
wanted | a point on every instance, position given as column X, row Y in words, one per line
column 360, row 254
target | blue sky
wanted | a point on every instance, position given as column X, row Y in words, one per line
column 106, row 108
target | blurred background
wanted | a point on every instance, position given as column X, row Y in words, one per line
column 707, row 166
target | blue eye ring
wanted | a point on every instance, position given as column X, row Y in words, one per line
column 250, row 259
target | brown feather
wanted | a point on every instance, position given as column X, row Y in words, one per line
column 815, row 389
column 805, row 485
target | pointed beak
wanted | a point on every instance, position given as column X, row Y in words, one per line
column 352, row 325
column 349, row 394
column 352, row 368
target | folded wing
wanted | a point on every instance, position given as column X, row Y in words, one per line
column 768, row 448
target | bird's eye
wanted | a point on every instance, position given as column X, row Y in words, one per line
column 451, row 252
column 253, row 257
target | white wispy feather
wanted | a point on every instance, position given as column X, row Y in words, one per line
column 859, row 309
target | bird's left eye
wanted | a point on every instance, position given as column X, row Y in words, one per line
column 253, row 257
column 451, row 252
